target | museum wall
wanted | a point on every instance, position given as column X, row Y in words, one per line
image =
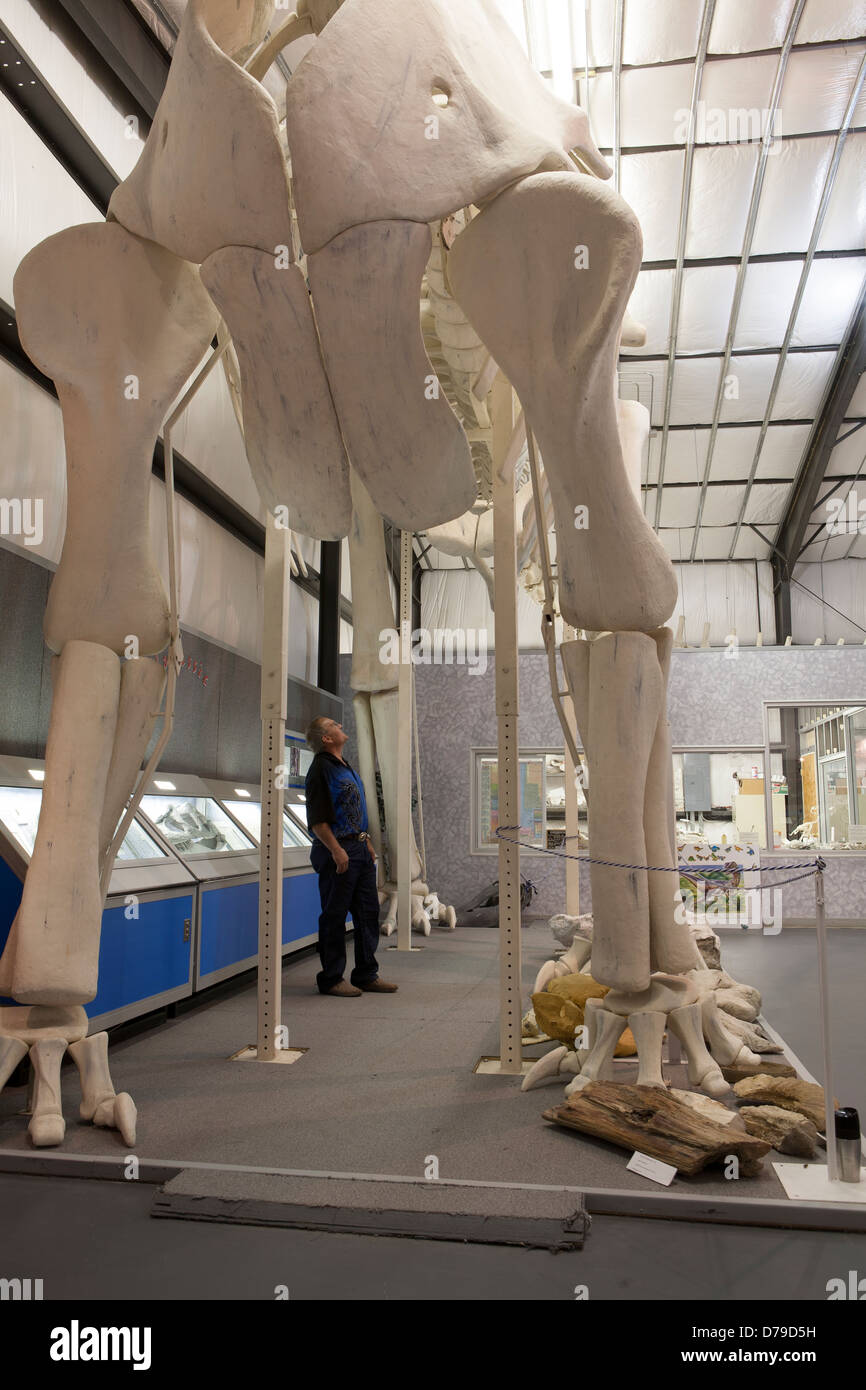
column 714, row 701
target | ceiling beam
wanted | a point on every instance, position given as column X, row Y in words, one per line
column 124, row 42
column 804, row 495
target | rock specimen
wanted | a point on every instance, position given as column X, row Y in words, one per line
column 709, row 946
column 648, row 1119
column 788, row 1131
column 787, row 1092
column 740, row 1071
column 565, row 928
column 559, row 1010
column 711, row 1109
column 752, row 1034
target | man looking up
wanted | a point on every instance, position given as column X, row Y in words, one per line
column 345, row 862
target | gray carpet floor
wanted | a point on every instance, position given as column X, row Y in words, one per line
column 388, row 1080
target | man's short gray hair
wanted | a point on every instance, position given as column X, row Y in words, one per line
column 315, row 731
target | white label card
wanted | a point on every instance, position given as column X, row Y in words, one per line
column 652, row 1168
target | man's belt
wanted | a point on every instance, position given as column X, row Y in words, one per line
column 359, row 835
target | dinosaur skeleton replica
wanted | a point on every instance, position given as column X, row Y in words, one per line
column 402, row 112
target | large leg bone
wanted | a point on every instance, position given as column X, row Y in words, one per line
column 56, row 950
column 365, row 95
column 375, row 616
column 617, row 689
column 365, row 287
column 383, row 706
column 141, row 686
column 568, row 248
column 212, row 173
column 119, row 324
column 99, row 1101
column 672, row 946
column 649, row 1031
column 608, row 1029
column 47, row 1125
column 291, row 434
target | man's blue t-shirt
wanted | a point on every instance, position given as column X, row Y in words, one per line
column 335, row 794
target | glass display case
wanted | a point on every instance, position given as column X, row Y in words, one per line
column 541, row 788
column 249, row 813
column 19, row 812
column 195, row 825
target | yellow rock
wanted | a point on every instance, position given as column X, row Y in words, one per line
column 559, row 1010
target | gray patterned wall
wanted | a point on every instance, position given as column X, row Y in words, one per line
column 714, row 700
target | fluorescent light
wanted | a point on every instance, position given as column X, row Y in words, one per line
column 165, row 786
column 36, row 774
column 239, row 791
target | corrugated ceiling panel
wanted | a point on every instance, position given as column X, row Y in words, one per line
column 678, row 544
column 685, row 457
column 705, row 307
column 784, row 222
column 722, row 506
column 832, row 19
column 817, row 88
column 733, row 453
column 858, row 400
column 768, row 296
column 804, row 380
column 654, row 104
column 652, row 185
column 832, row 289
column 739, row 28
column 750, row 546
column 679, row 506
column 644, row 381
column 645, row 40
column 767, row 503
column 744, row 83
column 650, row 304
column 845, row 224
column 847, row 457
column 722, row 179
column 782, row 450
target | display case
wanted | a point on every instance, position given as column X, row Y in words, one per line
column 146, row 942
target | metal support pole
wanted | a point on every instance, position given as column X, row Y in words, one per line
column 505, row 642
column 275, row 674
column 824, row 1007
column 404, row 750
column 572, row 822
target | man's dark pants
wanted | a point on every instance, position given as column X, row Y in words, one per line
column 353, row 891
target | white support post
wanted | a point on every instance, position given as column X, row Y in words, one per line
column 572, row 822
column 275, row 673
column 824, row 1009
column 404, row 750
column 505, row 641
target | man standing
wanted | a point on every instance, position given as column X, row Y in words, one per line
column 345, row 861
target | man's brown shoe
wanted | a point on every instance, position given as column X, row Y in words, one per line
column 343, row 990
column 379, row 987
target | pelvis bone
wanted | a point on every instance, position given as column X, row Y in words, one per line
column 365, row 95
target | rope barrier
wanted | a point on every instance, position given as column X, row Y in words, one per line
column 684, row 870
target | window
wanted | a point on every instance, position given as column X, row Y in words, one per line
column 541, row 785
column 821, row 750
column 722, row 795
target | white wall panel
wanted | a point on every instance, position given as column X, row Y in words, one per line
column 63, row 59
column 37, row 197
column 32, row 459
column 841, row 583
